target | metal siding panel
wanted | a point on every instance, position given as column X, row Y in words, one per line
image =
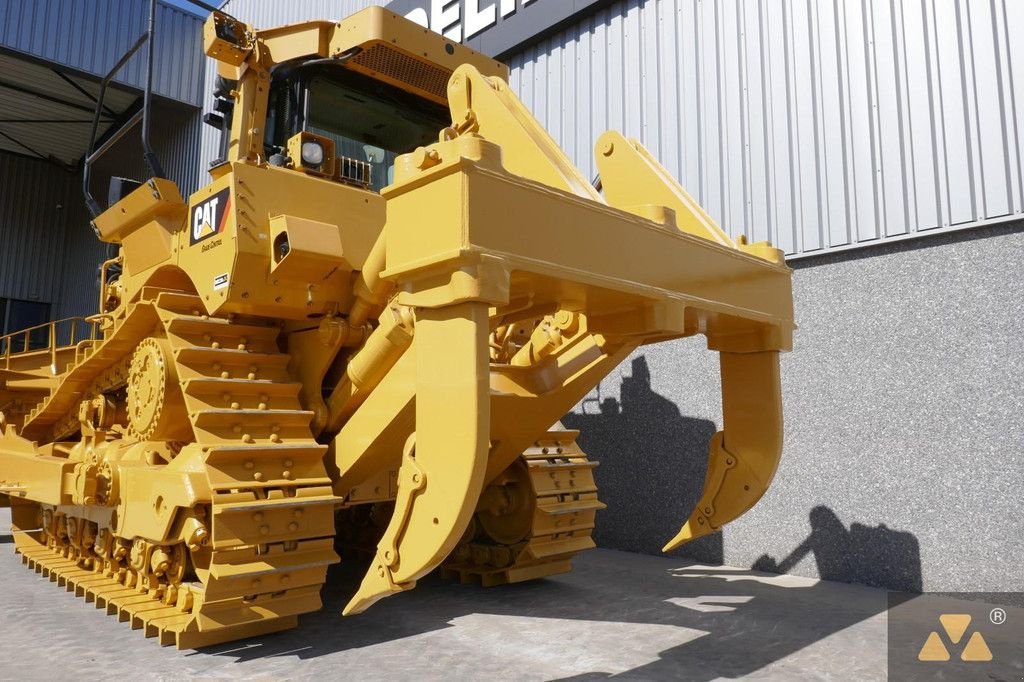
column 584, row 97
column 958, row 183
column 90, row 35
column 891, row 107
column 691, row 170
column 806, row 130
column 709, row 95
column 758, row 212
column 667, row 111
column 600, row 92
column 34, row 200
column 861, row 160
column 734, row 149
column 989, row 99
column 781, row 167
column 1012, row 56
column 921, row 96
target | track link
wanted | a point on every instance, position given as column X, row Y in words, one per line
column 272, row 509
column 565, row 501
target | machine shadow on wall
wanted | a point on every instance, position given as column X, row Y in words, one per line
column 877, row 556
column 653, row 462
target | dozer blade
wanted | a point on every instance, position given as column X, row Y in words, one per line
column 744, row 456
column 443, row 467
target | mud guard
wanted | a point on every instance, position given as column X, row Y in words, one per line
column 743, row 457
column 443, row 467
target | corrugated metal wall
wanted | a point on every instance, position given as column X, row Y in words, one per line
column 35, row 199
column 91, row 35
column 817, row 125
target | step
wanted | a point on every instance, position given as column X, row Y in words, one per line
column 178, row 302
column 541, row 463
column 275, row 505
column 194, row 355
column 572, row 507
column 210, row 419
column 219, row 327
column 215, row 386
column 545, row 549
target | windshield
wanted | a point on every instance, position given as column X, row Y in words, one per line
column 367, row 119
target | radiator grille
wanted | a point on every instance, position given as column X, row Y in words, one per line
column 355, row 172
column 399, row 66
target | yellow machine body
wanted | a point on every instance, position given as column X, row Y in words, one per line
column 291, row 361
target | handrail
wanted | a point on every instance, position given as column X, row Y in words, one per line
column 156, row 169
column 152, row 162
column 76, row 336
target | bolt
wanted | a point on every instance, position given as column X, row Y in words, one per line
column 257, row 476
column 264, row 530
column 249, row 464
column 293, row 526
column 257, row 517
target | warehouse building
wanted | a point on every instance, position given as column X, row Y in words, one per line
column 877, row 143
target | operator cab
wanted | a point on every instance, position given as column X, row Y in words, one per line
column 354, row 126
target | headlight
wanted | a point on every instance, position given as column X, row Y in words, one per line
column 312, row 154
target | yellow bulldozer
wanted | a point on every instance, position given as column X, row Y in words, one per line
column 360, row 336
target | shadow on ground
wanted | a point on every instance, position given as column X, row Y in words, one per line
column 722, row 622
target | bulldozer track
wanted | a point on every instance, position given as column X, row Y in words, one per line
column 564, row 506
column 272, row 510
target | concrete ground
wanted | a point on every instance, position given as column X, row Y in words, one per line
column 616, row 615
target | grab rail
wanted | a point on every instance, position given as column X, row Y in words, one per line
column 77, row 330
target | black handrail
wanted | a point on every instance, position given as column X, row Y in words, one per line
column 149, row 156
column 93, row 154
